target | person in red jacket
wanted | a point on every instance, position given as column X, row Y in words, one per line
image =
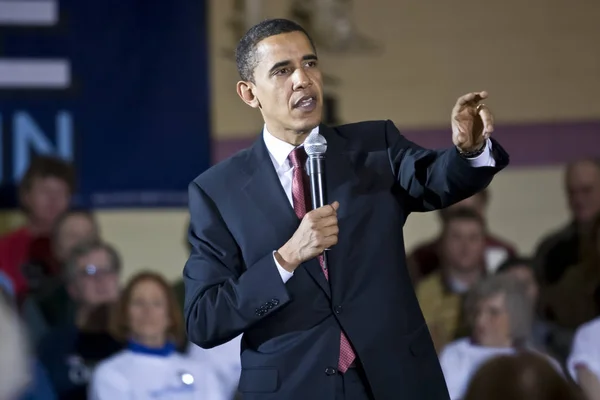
column 45, row 193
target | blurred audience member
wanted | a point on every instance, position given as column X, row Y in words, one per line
column 561, row 249
column 39, row 386
column 575, row 298
column 583, row 363
column 440, row 295
column 150, row 319
column 523, row 376
column 521, row 270
column 45, row 193
column 14, row 366
column 426, row 258
column 70, row 352
column 50, row 305
column 500, row 315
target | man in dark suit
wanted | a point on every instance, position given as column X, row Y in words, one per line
column 355, row 329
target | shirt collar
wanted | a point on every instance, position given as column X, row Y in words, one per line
column 278, row 149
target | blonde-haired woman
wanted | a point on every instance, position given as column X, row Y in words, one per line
column 149, row 319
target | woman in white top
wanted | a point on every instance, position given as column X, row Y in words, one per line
column 500, row 315
column 584, row 361
column 149, row 318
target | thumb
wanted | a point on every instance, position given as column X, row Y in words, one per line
column 335, row 205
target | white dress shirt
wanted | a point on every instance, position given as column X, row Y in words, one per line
column 280, row 150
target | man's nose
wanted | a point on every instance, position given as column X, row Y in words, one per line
column 301, row 79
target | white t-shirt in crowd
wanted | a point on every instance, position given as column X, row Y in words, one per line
column 461, row 359
column 586, row 349
column 133, row 375
column 224, row 361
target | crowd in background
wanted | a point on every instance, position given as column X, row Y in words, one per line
column 496, row 316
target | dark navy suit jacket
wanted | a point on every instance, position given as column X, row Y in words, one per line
column 240, row 215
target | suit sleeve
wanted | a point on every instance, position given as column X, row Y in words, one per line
column 435, row 179
column 223, row 295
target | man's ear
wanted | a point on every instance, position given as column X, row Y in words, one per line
column 246, row 91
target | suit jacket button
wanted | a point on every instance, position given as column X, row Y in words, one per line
column 330, row 371
column 275, row 302
column 338, row 309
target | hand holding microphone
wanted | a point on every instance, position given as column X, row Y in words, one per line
column 318, row 230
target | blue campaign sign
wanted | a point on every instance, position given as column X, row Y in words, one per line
column 120, row 87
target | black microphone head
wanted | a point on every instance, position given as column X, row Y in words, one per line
column 315, row 144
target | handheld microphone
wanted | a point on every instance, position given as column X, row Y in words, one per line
column 315, row 146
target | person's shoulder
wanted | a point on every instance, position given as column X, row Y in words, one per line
column 14, row 239
column 371, row 134
column 555, row 237
column 589, row 329
column 454, row 349
column 16, row 234
column 114, row 363
column 431, row 283
column 224, row 171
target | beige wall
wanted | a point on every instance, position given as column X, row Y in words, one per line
column 537, row 59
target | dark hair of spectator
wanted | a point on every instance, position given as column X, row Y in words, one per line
column 523, row 376
column 463, row 214
column 48, row 167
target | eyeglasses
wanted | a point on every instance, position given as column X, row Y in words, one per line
column 92, row 270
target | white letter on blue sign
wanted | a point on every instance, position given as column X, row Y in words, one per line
column 28, row 138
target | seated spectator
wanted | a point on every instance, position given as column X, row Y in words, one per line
column 441, row 294
column 521, row 270
column 575, row 298
column 499, row 313
column 583, row 363
column 572, row 301
column 150, row 319
column 50, row 305
column 70, row 352
column 524, row 376
column 561, row 249
column 426, row 259
column 45, row 193
column 39, row 386
column 15, row 375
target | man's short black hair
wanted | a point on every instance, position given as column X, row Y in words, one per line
column 245, row 53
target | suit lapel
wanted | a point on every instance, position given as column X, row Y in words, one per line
column 265, row 191
column 340, row 175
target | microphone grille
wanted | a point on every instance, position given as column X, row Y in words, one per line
column 315, row 144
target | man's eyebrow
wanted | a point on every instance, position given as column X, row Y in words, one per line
column 279, row 65
column 284, row 63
